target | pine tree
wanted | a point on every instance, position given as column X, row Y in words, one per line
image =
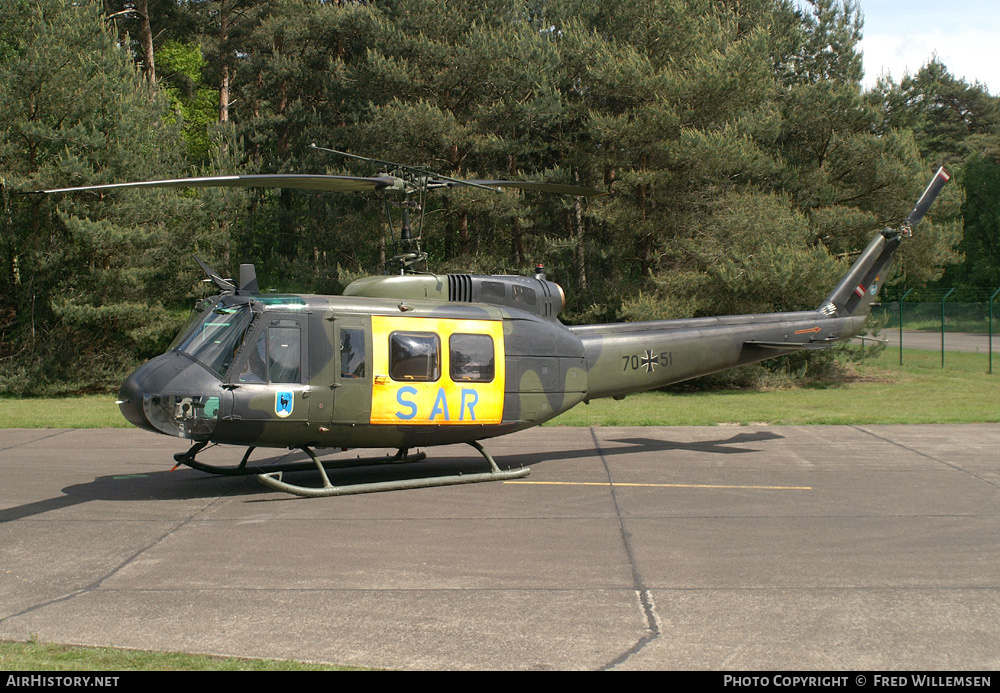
column 74, row 110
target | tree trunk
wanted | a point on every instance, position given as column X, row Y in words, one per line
column 518, row 241
column 581, row 259
column 578, row 232
column 463, row 230
column 224, row 76
column 146, row 37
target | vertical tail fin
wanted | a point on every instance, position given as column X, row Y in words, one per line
column 859, row 287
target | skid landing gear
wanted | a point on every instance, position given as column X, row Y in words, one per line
column 242, row 469
column 274, row 480
column 271, row 474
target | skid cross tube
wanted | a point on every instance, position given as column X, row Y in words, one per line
column 274, row 479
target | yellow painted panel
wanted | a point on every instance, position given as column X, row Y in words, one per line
column 442, row 401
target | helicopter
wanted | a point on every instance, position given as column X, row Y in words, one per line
column 414, row 359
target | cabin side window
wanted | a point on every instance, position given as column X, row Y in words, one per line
column 414, row 356
column 284, row 350
column 471, row 358
column 352, row 353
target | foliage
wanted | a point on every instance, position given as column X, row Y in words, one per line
column 958, row 125
column 89, row 285
column 743, row 159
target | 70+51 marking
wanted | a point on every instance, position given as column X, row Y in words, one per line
column 649, row 361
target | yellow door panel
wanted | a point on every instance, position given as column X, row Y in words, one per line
column 437, row 371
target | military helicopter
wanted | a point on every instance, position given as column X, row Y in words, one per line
column 417, row 359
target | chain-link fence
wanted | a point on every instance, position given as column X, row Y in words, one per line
column 957, row 319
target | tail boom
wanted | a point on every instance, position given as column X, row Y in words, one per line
column 634, row 357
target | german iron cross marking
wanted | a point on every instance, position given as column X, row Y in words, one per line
column 649, row 361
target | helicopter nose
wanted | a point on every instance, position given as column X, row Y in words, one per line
column 130, row 402
column 130, row 395
column 172, row 394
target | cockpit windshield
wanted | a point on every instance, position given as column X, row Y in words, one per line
column 213, row 336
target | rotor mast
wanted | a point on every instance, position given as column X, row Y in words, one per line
column 409, row 257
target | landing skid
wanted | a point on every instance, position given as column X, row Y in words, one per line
column 271, row 475
column 242, row 469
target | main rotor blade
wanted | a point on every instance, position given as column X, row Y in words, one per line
column 321, row 183
column 327, row 183
column 440, row 181
column 557, row 188
column 216, row 278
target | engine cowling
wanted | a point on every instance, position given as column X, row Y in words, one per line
column 535, row 295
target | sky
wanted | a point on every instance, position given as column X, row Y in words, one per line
column 900, row 36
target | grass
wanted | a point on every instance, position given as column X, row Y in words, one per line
column 877, row 391
column 35, row 656
column 85, row 411
column 970, row 325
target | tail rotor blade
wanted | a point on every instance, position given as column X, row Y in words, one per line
column 927, row 199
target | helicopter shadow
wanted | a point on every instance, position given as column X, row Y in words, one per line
column 471, row 463
column 189, row 484
column 147, row 486
column 647, row 445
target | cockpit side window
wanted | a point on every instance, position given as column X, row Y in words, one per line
column 255, row 368
column 213, row 338
column 275, row 354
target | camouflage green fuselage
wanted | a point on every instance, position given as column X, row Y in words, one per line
column 340, row 387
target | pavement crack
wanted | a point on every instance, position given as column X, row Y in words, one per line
column 645, row 597
column 35, row 440
column 97, row 583
column 924, row 454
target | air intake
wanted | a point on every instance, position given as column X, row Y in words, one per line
column 460, row 288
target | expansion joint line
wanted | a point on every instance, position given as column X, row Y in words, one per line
column 642, row 592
